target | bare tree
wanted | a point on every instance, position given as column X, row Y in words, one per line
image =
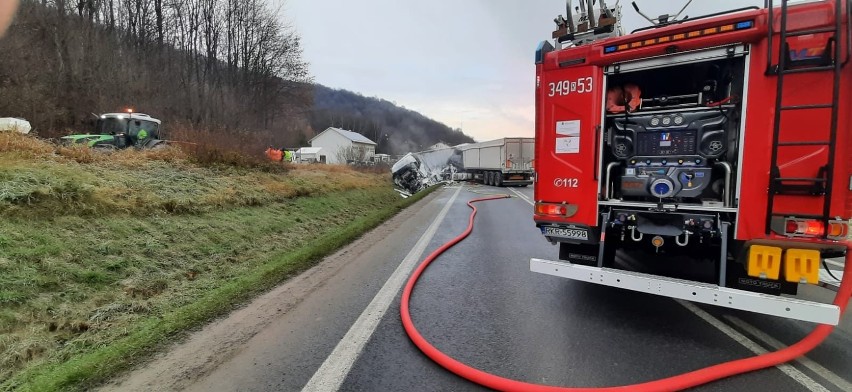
column 158, row 10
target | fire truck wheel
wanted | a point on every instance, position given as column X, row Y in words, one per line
column 498, row 179
column 488, row 178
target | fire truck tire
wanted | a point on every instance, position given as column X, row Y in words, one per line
column 486, row 178
column 498, row 179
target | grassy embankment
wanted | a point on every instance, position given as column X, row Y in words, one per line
column 104, row 257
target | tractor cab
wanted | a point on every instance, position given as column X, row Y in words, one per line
column 121, row 130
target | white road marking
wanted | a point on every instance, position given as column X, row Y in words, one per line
column 522, row 196
column 773, row 343
column 835, row 263
column 789, row 370
column 332, row 372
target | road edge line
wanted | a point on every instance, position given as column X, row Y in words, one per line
column 333, row 371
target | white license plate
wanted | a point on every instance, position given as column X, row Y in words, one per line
column 577, row 234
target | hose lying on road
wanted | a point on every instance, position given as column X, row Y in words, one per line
column 678, row 382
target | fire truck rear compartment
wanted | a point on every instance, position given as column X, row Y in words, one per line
column 672, row 148
column 681, row 144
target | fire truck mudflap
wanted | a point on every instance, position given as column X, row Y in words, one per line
column 658, row 147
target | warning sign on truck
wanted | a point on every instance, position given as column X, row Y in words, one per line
column 568, row 137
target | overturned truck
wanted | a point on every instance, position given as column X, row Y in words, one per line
column 418, row 170
column 500, row 162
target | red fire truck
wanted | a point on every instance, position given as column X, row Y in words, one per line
column 704, row 158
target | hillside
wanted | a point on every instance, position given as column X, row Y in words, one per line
column 218, row 72
column 106, row 256
column 397, row 130
column 221, row 73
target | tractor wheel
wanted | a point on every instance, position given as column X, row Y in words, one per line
column 155, row 144
column 104, row 147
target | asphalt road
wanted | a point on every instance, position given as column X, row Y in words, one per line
column 480, row 304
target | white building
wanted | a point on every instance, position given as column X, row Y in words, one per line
column 310, row 155
column 340, row 146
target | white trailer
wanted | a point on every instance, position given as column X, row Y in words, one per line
column 506, row 161
column 309, row 155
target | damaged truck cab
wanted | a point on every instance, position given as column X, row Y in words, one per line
column 711, row 154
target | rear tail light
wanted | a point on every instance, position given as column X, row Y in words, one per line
column 563, row 210
column 791, row 227
column 838, row 229
column 803, row 227
column 550, row 209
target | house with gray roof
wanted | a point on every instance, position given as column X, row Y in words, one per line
column 341, row 146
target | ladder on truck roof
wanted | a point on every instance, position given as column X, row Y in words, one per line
column 821, row 185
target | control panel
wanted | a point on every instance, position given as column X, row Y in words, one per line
column 668, row 154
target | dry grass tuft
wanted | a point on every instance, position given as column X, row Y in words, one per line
column 82, row 154
column 41, row 179
column 13, row 142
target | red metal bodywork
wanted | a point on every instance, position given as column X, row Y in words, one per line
column 584, row 164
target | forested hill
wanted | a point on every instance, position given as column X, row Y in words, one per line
column 219, row 72
column 396, row 129
column 223, row 73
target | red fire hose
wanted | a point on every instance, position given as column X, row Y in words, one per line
column 678, row 382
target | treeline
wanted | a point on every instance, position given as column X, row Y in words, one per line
column 222, row 72
column 397, row 130
column 229, row 66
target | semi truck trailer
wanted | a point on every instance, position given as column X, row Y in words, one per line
column 501, row 162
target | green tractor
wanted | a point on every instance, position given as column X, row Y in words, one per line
column 115, row 131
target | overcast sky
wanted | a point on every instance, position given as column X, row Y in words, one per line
column 466, row 63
